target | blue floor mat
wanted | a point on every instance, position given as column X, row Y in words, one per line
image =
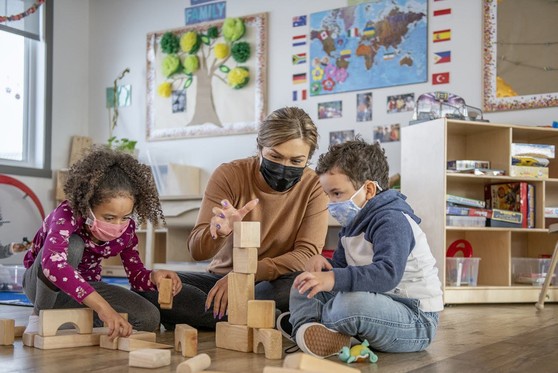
column 20, row 299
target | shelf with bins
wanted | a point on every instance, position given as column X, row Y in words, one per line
column 426, row 182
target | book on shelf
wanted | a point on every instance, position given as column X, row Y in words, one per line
column 522, row 160
column 516, row 197
column 462, row 164
column 551, row 212
column 480, row 171
column 465, row 221
column 471, row 202
column 528, row 171
column 468, row 211
column 533, row 150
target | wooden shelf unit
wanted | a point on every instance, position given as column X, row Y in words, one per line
column 425, row 149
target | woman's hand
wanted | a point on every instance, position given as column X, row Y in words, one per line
column 218, row 295
column 314, row 282
column 157, row 275
column 317, row 263
column 223, row 219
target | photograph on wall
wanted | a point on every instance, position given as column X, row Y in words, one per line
column 400, row 103
column 364, row 107
column 331, row 109
column 367, row 46
column 339, row 137
column 206, row 79
column 387, row 133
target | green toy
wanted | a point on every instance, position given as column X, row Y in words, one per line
column 357, row 353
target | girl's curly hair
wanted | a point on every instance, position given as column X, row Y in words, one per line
column 103, row 174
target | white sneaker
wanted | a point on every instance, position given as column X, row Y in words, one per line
column 317, row 340
column 284, row 326
column 33, row 325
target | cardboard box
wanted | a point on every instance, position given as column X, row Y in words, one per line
column 527, row 171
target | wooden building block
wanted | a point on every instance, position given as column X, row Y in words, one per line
column 7, row 332
column 281, row 370
column 246, row 234
column 269, row 341
column 113, row 345
column 165, row 293
column 18, row 331
column 310, row 363
column 196, row 364
column 149, row 358
column 186, row 340
column 51, row 320
column 61, row 177
column 240, row 291
column 234, row 337
column 245, row 260
column 80, row 146
column 28, row 339
column 127, row 344
column 66, row 340
column 261, row 314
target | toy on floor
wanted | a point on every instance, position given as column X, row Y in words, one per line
column 358, row 353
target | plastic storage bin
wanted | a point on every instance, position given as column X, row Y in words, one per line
column 531, row 271
column 462, row 271
column 11, row 277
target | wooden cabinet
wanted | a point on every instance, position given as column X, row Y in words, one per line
column 425, row 150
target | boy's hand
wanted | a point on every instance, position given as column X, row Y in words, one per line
column 156, row 277
column 317, row 263
column 223, row 219
column 314, row 282
column 219, row 296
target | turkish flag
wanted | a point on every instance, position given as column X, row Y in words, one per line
column 441, row 78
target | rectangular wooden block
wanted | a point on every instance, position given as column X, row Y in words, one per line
column 80, row 146
column 113, row 345
column 245, row 260
column 186, row 340
column 28, row 339
column 66, row 341
column 270, row 342
column 261, row 314
column 234, row 337
column 281, row 370
column 149, row 358
column 7, row 331
column 240, row 291
column 51, row 320
column 246, row 234
column 310, row 363
column 165, row 293
column 127, row 344
column 61, row 177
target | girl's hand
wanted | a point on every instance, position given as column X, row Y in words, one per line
column 314, row 282
column 219, row 296
column 223, row 219
column 117, row 325
column 157, row 275
column 317, row 263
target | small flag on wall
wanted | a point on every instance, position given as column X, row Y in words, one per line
column 299, row 21
column 442, row 12
column 299, row 40
column 345, row 54
column 353, row 32
column 442, row 35
column 301, row 96
column 442, row 57
column 299, row 59
column 299, row 78
column 441, row 78
column 369, row 31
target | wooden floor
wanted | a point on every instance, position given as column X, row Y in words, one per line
column 478, row 338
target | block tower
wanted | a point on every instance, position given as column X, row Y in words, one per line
column 250, row 325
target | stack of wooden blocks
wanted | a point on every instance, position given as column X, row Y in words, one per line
column 251, row 323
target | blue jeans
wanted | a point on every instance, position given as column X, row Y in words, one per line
column 390, row 324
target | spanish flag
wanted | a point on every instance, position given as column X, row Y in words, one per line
column 442, row 35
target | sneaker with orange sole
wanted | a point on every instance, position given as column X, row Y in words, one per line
column 319, row 341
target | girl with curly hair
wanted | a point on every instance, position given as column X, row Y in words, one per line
column 106, row 192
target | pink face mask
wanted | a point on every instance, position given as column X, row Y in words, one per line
column 105, row 231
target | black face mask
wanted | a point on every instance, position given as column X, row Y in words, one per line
column 279, row 177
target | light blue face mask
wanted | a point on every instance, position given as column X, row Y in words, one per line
column 344, row 212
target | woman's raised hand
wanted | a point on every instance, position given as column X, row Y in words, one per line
column 223, row 219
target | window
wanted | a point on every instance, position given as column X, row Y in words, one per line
column 25, row 89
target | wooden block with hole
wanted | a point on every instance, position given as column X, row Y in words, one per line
column 261, row 314
column 246, row 234
column 234, row 337
column 127, row 344
column 245, row 260
column 270, row 342
column 113, row 345
column 80, row 146
column 51, row 320
column 149, row 358
column 165, row 293
column 240, row 291
column 186, row 340
column 196, row 364
column 310, row 363
column 68, row 339
column 7, row 332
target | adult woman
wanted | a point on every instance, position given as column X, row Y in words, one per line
column 275, row 188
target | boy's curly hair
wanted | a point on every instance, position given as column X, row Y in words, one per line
column 103, row 174
column 358, row 160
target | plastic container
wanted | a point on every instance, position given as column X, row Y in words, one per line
column 11, row 277
column 462, row 271
column 531, row 271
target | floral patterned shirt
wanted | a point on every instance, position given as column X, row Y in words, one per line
column 53, row 238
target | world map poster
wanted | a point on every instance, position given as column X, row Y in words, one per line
column 370, row 45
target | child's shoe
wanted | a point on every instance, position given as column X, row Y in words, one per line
column 33, row 325
column 284, row 326
column 317, row 340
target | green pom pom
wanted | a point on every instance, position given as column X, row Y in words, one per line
column 241, row 51
column 191, row 64
column 213, row 32
column 169, row 43
column 170, row 65
column 233, row 29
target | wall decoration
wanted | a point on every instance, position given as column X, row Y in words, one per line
column 207, row 79
column 339, row 137
column 299, row 21
column 442, row 57
column 364, row 107
column 205, row 13
column 441, row 35
column 387, row 133
column 370, row 45
column 299, row 94
column 520, row 40
column 332, row 109
column 440, row 78
column 400, row 103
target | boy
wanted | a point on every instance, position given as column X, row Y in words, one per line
column 382, row 283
